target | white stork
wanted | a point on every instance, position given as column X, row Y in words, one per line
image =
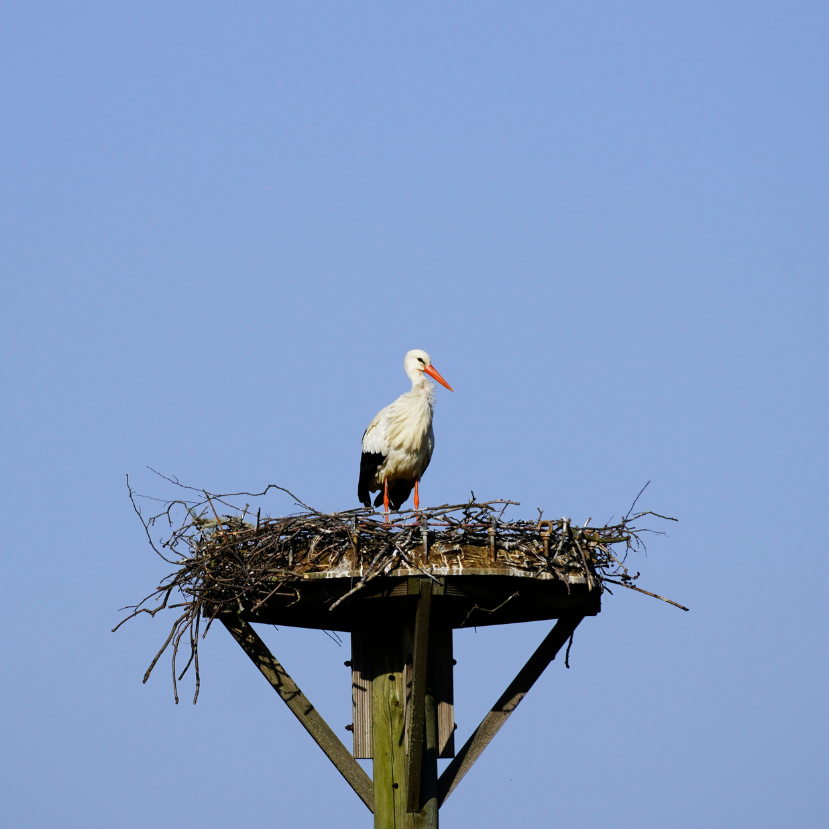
column 398, row 444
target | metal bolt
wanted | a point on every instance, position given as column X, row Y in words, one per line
column 347, row 663
column 350, row 727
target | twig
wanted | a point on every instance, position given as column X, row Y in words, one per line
column 648, row 593
column 636, row 499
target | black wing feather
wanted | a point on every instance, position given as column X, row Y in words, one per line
column 370, row 462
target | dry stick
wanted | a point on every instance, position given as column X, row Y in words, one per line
column 655, row 514
column 361, row 584
column 414, row 565
column 138, row 609
column 648, row 593
column 583, row 561
column 567, row 652
column 219, row 521
column 196, row 651
column 488, row 610
column 560, row 539
column 234, row 494
column 144, row 524
column 192, row 655
column 598, row 540
column 181, row 632
column 637, row 498
column 163, row 648
column 273, row 592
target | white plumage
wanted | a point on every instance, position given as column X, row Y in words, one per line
column 398, row 444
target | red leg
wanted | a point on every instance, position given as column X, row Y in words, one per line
column 386, row 498
column 417, row 497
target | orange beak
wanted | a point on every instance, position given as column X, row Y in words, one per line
column 430, row 370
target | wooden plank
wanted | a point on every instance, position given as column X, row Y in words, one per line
column 388, row 728
column 302, row 709
column 361, row 692
column 507, row 703
column 420, row 666
column 468, row 598
column 427, row 817
column 442, row 667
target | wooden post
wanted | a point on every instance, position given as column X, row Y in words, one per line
column 398, row 746
column 440, row 653
column 361, row 673
column 440, row 664
column 420, row 665
column 388, row 720
column 427, row 817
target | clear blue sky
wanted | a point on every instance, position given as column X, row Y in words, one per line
column 222, row 226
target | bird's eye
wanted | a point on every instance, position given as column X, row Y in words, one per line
column 421, row 360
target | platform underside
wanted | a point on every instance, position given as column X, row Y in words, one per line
column 474, row 598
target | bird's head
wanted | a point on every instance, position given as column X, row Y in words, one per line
column 417, row 363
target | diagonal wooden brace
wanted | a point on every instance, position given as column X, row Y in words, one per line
column 420, row 660
column 310, row 718
column 507, row 703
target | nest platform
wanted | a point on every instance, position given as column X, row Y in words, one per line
column 348, row 570
column 343, row 571
column 470, row 592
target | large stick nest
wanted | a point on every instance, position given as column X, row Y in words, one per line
column 228, row 558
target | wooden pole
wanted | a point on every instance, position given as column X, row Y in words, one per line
column 388, row 719
column 420, row 666
column 427, row 817
column 405, row 764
